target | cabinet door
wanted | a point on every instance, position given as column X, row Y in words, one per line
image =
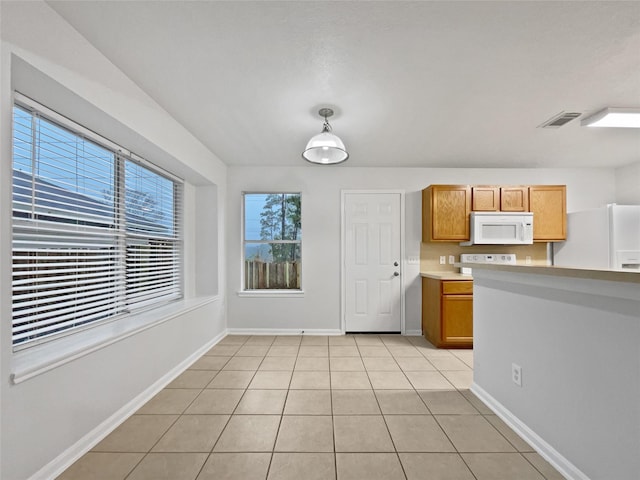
column 549, row 207
column 485, row 199
column 446, row 213
column 431, row 310
column 514, row 199
column 457, row 319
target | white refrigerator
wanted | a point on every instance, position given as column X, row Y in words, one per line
column 602, row 238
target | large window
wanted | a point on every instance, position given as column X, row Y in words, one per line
column 95, row 233
column 272, row 241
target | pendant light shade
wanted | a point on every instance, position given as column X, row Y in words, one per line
column 325, row 148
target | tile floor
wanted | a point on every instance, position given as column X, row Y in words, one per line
column 362, row 407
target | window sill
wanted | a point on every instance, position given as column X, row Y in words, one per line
column 39, row 359
column 271, row 293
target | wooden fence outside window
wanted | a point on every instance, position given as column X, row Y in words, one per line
column 271, row 276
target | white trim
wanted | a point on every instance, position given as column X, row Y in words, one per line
column 31, row 362
column 283, row 331
column 546, row 451
column 413, row 332
column 271, row 293
column 343, row 239
column 63, row 461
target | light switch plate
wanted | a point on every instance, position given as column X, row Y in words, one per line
column 443, row 260
column 413, row 259
column 452, row 259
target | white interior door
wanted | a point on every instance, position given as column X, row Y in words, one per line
column 372, row 263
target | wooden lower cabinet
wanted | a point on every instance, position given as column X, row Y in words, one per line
column 447, row 312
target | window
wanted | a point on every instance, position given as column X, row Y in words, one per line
column 95, row 233
column 272, row 241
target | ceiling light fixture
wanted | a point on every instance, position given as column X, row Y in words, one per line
column 325, row 148
column 614, row 117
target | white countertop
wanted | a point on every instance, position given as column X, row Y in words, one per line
column 445, row 275
column 573, row 272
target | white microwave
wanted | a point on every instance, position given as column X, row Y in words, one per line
column 500, row 228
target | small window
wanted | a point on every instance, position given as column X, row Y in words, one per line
column 272, row 241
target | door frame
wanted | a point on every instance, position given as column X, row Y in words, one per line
column 343, row 246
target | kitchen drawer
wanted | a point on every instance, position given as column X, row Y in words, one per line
column 455, row 287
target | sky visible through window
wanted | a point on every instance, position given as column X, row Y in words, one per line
column 253, row 205
column 78, row 165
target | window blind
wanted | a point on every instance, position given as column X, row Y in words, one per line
column 152, row 241
column 95, row 235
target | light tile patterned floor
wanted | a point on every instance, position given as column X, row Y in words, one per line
column 327, row 408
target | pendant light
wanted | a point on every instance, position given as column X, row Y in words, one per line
column 325, row 148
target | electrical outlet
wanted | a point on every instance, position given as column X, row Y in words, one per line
column 516, row 374
column 443, row 260
column 413, row 260
column 527, row 260
column 452, row 259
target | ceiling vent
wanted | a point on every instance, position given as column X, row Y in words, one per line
column 559, row 120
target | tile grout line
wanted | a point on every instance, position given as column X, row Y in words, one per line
column 275, row 440
column 226, row 423
column 176, row 421
column 134, row 467
column 333, row 422
column 234, row 408
column 457, row 452
column 210, row 454
column 384, row 419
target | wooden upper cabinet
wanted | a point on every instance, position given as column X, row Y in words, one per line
column 446, row 209
column 445, row 213
column 514, row 199
column 549, row 206
column 485, row 199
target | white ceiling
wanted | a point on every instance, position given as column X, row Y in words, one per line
column 414, row 84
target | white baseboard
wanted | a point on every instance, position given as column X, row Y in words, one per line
column 551, row 455
column 91, row 439
column 296, row 331
column 282, row 331
column 413, row 332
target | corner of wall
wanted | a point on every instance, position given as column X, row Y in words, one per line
column 628, row 184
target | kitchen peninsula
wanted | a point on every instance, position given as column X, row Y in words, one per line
column 573, row 335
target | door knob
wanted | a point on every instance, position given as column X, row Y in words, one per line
column 396, row 274
column 395, row 264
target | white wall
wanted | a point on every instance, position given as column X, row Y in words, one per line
column 576, row 340
column 320, row 187
column 628, row 184
column 51, row 417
